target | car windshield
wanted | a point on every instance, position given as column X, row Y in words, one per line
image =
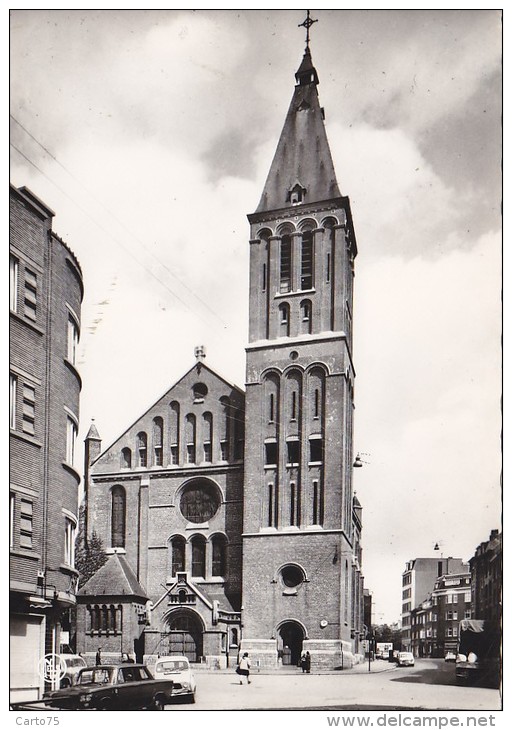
column 75, row 662
column 96, row 675
column 405, row 655
column 172, row 666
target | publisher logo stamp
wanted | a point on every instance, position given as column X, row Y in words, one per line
column 52, row 668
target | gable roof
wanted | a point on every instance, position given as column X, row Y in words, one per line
column 115, row 573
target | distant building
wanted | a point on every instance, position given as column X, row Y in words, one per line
column 46, row 290
column 487, row 579
column 418, row 580
column 435, row 622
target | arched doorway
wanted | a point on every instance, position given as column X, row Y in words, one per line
column 183, row 635
column 290, row 634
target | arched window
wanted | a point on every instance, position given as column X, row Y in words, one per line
column 207, row 437
column 286, row 264
column 126, row 458
column 198, row 557
column 225, row 429
column 306, row 270
column 306, row 316
column 158, row 439
column 118, row 516
column 177, row 554
column 142, row 448
column 218, row 555
column 284, row 319
column 190, row 436
column 174, row 433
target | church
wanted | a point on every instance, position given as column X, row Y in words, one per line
column 228, row 515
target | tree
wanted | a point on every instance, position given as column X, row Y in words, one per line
column 89, row 554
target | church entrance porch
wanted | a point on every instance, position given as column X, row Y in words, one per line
column 183, row 635
column 290, row 637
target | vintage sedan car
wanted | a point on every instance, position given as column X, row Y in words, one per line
column 74, row 663
column 405, row 659
column 109, row 687
column 178, row 669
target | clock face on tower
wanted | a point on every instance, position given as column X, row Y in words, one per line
column 200, row 501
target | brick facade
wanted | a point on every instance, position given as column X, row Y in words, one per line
column 46, row 294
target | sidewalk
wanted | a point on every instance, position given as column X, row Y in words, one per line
column 376, row 667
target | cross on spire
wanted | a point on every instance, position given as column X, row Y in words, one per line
column 307, row 25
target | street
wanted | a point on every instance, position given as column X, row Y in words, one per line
column 428, row 685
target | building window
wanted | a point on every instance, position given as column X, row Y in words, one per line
column 13, row 390
column 118, row 516
column 270, row 453
column 293, row 452
column 305, row 312
column 71, row 433
column 13, row 283
column 72, row 340
column 467, row 613
column 105, row 619
column 26, row 523
column 200, row 391
column 316, row 449
column 142, row 449
column 318, row 503
column 316, row 404
column 224, row 451
column 126, row 458
column 177, row 555
column 292, row 576
column 158, row 438
column 30, row 294
column 286, row 264
column 199, row 501
column 218, row 555
column 174, row 454
column 207, row 436
column 12, row 508
column 29, row 408
column 467, row 596
column 198, row 557
column 306, row 275
column 190, row 434
column 294, row 406
column 270, row 505
column 328, row 268
column 272, row 408
column 284, row 318
column 69, row 541
column 264, row 278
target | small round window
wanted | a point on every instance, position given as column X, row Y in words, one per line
column 292, row 576
column 199, row 501
column 200, row 391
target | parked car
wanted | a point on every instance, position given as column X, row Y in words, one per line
column 178, row 669
column 105, row 687
column 405, row 659
column 74, row 663
column 450, row 656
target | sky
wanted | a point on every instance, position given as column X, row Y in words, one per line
column 150, row 134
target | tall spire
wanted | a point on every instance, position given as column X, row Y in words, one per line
column 302, row 171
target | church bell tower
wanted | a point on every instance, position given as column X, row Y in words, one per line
column 299, row 549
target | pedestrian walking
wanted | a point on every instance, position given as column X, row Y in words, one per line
column 244, row 667
column 308, row 662
column 98, row 656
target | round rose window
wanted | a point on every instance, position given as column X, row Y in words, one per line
column 199, row 501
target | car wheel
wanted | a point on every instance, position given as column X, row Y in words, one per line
column 105, row 705
column 192, row 698
column 158, row 704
